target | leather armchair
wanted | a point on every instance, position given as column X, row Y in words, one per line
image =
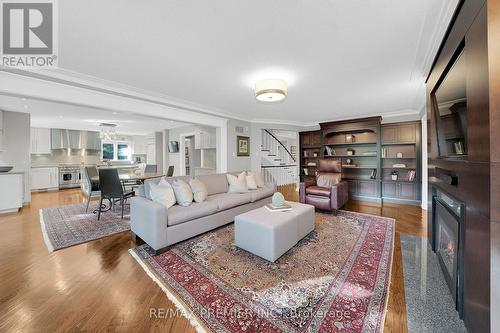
column 328, row 192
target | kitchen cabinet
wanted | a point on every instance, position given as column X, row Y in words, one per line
column 41, row 141
column 204, row 139
column 399, row 134
column 12, row 199
column 44, row 178
column 400, row 190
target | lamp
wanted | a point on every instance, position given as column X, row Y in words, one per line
column 273, row 90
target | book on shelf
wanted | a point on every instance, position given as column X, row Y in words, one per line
column 411, row 175
column 399, row 165
column 370, row 153
column 272, row 208
column 329, row 151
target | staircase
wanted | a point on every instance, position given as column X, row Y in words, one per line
column 277, row 163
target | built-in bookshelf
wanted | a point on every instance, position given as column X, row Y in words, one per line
column 379, row 161
column 310, row 152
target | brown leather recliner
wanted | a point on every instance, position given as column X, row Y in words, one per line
column 328, row 192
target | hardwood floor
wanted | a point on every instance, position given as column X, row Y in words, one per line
column 99, row 286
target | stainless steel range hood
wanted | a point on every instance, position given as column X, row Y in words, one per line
column 73, row 139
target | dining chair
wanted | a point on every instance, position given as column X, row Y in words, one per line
column 90, row 184
column 151, row 168
column 111, row 189
column 170, row 171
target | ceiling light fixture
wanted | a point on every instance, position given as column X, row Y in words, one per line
column 272, row 90
column 108, row 131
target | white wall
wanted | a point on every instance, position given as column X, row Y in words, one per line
column 238, row 163
column 16, row 138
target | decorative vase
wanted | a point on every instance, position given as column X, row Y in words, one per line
column 278, row 199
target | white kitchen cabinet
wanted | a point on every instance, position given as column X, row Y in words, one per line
column 44, row 178
column 204, row 139
column 41, row 141
column 11, row 197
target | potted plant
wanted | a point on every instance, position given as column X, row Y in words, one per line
column 394, row 175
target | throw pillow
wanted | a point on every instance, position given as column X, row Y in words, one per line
column 259, row 179
column 251, row 182
column 162, row 193
column 182, row 192
column 200, row 192
column 237, row 184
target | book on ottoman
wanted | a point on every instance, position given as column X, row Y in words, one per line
column 272, row 208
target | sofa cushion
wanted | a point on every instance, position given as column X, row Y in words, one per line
column 261, row 193
column 237, row 184
column 163, row 193
column 229, row 200
column 183, row 193
column 179, row 214
column 251, row 182
column 199, row 189
column 214, row 183
column 147, row 186
column 319, row 191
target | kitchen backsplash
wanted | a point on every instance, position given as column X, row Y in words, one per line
column 63, row 156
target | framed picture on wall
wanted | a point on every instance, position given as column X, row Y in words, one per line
column 242, row 146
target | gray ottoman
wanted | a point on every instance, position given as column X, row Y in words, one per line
column 270, row 234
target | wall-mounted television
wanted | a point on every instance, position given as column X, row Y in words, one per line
column 173, row 147
column 450, row 107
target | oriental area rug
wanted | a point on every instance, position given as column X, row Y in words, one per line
column 336, row 279
column 70, row 225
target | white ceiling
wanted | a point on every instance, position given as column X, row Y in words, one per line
column 48, row 114
column 340, row 58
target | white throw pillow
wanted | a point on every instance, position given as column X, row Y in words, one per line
column 259, row 179
column 200, row 192
column 251, row 182
column 182, row 192
column 237, row 184
column 162, row 193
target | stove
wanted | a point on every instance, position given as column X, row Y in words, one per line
column 69, row 176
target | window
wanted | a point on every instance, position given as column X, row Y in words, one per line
column 123, row 152
column 108, row 151
column 116, row 151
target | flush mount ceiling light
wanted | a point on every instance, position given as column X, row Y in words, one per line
column 273, row 90
column 108, row 131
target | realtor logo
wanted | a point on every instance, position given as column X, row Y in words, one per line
column 29, row 34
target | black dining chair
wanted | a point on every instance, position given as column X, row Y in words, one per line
column 111, row 189
column 90, row 183
column 151, row 168
column 170, row 171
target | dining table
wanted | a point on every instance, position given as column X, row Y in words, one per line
column 134, row 178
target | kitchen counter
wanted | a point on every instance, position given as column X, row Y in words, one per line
column 12, row 172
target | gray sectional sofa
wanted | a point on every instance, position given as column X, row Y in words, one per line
column 160, row 227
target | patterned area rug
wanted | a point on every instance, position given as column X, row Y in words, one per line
column 65, row 226
column 334, row 280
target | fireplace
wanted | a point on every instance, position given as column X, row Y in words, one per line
column 447, row 242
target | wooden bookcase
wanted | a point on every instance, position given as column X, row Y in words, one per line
column 369, row 152
column 310, row 152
